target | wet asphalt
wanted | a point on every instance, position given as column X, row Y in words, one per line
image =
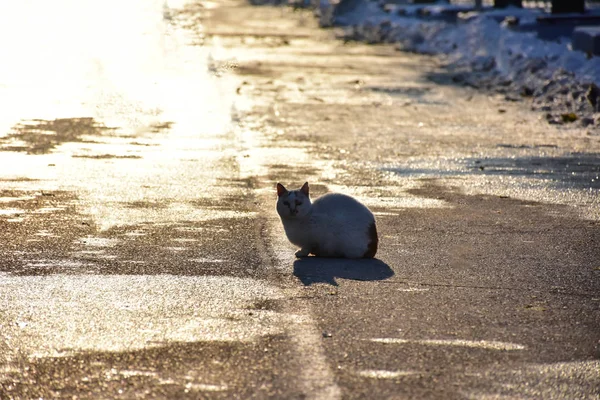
column 142, row 257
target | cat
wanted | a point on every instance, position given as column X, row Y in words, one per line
column 334, row 225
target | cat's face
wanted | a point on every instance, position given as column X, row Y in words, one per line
column 293, row 203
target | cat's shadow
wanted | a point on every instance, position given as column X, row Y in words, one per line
column 325, row 270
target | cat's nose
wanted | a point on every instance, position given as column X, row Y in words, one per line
column 294, row 211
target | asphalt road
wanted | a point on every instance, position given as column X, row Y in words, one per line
column 142, row 257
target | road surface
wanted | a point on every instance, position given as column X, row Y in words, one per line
column 142, row 257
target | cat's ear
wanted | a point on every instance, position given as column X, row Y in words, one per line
column 281, row 190
column 304, row 188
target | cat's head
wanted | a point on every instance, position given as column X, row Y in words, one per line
column 293, row 203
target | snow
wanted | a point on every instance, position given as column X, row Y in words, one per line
column 484, row 51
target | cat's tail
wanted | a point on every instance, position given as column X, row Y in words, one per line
column 373, row 241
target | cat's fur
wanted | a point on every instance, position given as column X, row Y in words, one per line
column 335, row 225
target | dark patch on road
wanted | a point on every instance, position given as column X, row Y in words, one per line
column 40, row 136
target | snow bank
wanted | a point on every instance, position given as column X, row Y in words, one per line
column 485, row 52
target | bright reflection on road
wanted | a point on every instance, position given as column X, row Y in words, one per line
column 126, row 66
column 121, row 62
column 59, row 314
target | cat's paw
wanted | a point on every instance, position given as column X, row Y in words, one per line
column 302, row 253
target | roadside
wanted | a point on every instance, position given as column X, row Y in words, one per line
column 506, row 51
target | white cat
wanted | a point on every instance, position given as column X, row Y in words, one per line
column 335, row 225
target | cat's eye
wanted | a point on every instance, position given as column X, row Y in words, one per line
column 286, row 203
column 298, row 203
